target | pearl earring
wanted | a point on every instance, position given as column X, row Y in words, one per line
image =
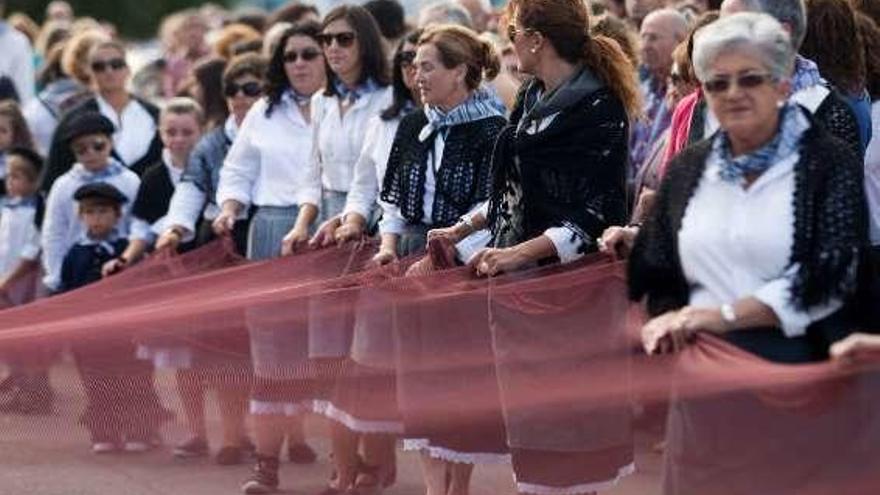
column 534, row 50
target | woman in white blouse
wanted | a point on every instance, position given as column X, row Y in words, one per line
column 755, row 237
column 269, row 166
column 357, row 90
column 136, row 142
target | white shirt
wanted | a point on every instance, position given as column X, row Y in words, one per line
column 19, row 237
column 270, row 164
column 62, row 227
column 872, row 174
column 41, row 123
column 135, row 129
column 736, row 243
column 369, row 170
column 17, row 61
column 339, row 138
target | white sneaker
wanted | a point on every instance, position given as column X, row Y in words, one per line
column 136, row 446
column 104, row 447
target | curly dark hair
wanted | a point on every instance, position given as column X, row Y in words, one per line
column 870, row 33
column 402, row 94
column 833, row 41
column 276, row 78
column 372, row 53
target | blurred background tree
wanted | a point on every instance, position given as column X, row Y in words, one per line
column 135, row 19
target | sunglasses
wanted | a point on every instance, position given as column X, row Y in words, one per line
column 97, row 146
column 307, row 55
column 250, row 89
column 114, row 64
column 344, row 39
column 512, row 32
column 405, row 59
column 744, row 81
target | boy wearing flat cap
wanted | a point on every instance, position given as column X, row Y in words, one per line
column 89, row 136
column 122, row 411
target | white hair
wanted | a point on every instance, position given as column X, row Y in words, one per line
column 758, row 34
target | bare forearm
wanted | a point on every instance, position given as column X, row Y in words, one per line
column 307, row 214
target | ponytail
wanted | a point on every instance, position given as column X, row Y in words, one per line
column 490, row 61
column 604, row 57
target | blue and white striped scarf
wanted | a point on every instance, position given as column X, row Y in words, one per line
column 482, row 104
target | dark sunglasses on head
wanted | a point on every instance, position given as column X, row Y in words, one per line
column 512, row 32
column 97, row 146
column 102, row 65
column 744, row 81
column 250, row 89
column 344, row 39
column 308, row 54
column 406, row 59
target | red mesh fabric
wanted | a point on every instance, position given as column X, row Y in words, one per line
column 547, row 354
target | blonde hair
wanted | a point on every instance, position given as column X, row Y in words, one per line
column 459, row 45
column 75, row 59
column 234, row 35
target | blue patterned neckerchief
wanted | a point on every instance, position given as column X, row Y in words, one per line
column 792, row 125
column 106, row 243
column 806, row 75
column 19, row 202
column 351, row 95
column 298, row 98
column 113, row 169
column 480, row 105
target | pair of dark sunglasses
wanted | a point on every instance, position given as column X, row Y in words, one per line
column 96, row 146
column 512, row 32
column 250, row 89
column 344, row 39
column 744, row 81
column 114, row 64
column 405, row 59
column 308, row 54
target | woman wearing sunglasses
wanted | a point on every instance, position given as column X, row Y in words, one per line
column 373, row 416
column 269, row 167
column 755, row 237
column 136, row 142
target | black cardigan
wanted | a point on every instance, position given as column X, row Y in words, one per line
column 462, row 179
column 572, row 174
column 831, row 226
column 61, row 157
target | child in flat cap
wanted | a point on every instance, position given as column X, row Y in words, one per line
column 123, row 410
column 89, row 137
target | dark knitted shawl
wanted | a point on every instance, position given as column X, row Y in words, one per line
column 462, row 179
column 154, row 194
column 831, row 227
column 571, row 174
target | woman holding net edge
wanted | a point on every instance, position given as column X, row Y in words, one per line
column 559, row 181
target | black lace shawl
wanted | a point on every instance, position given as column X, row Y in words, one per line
column 571, row 174
column 831, row 226
column 462, row 179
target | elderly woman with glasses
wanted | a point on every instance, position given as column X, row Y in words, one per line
column 757, row 231
column 755, row 236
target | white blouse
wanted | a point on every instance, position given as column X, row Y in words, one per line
column 736, row 243
column 369, row 170
column 339, row 138
column 19, row 237
column 872, row 175
column 269, row 164
column 135, row 129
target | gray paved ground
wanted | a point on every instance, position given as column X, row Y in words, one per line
column 50, row 456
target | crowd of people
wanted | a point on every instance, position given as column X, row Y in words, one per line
column 727, row 150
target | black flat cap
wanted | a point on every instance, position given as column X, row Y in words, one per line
column 100, row 190
column 88, row 123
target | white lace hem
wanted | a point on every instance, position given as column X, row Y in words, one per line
column 450, row 455
column 583, row 489
column 329, row 410
column 266, row 408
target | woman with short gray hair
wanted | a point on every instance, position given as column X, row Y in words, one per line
column 755, row 236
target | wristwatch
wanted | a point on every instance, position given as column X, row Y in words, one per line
column 728, row 314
